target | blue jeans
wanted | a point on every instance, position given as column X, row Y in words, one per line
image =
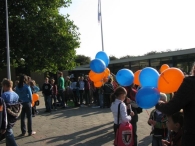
column 10, row 141
column 26, row 110
column 101, row 99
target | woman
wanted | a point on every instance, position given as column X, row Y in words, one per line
column 117, row 98
column 25, row 97
column 184, row 99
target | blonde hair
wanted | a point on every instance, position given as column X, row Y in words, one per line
column 7, row 83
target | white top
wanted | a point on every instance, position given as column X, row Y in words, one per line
column 123, row 112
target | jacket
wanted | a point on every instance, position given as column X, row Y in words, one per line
column 3, row 115
column 184, row 99
column 24, row 93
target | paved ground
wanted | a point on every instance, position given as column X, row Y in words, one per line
column 83, row 126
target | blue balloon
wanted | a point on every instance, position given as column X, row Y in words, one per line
column 149, row 77
column 97, row 65
column 103, row 56
column 147, row 97
column 125, row 77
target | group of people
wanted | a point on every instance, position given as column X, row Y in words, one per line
column 79, row 91
column 15, row 102
column 172, row 121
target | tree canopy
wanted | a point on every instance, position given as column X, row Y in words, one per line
column 82, row 60
column 40, row 38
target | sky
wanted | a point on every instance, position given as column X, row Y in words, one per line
column 133, row 27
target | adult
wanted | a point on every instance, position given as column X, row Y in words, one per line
column 183, row 99
column 25, row 97
column 81, row 87
column 61, row 88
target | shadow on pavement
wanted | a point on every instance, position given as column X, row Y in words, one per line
column 91, row 136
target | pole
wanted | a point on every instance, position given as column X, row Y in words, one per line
column 7, row 41
column 101, row 28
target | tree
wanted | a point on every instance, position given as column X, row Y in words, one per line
column 40, row 38
column 127, row 56
column 82, row 59
column 113, row 57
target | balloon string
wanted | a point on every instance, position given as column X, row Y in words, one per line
column 147, row 112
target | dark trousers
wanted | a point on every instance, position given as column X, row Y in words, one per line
column 34, row 110
column 156, row 141
column 53, row 98
column 87, row 97
column 107, row 100
column 26, row 110
column 81, row 92
column 134, row 125
column 61, row 94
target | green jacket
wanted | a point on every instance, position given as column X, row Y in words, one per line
column 61, row 83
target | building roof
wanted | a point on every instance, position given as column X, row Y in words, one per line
column 145, row 57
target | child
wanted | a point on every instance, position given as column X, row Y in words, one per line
column 174, row 124
column 3, row 119
column 158, row 122
column 34, row 89
column 54, row 93
column 11, row 100
column 117, row 98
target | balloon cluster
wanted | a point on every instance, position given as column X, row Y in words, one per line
column 149, row 79
column 99, row 72
column 152, row 83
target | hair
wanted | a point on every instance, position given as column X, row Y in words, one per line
column 7, row 83
column 110, row 80
column 32, row 83
column 119, row 90
column 60, row 73
column 3, row 80
column 23, row 80
column 178, row 118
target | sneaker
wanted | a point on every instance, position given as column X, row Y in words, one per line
column 32, row 133
column 23, row 134
column 33, row 115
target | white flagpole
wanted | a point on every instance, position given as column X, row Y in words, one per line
column 101, row 25
column 7, row 41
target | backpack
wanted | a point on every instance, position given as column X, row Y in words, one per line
column 124, row 133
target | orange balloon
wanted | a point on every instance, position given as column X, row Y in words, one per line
column 96, row 76
column 136, row 77
column 163, row 67
column 170, row 80
column 106, row 72
column 98, row 84
column 35, row 97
